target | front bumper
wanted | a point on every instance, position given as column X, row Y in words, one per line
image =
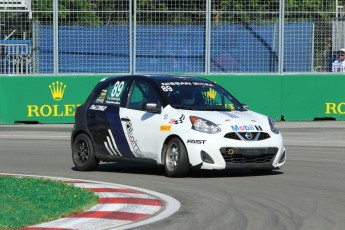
column 218, row 152
column 252, row 158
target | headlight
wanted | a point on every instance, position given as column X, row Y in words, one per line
column 273, row 126
column 204, row 125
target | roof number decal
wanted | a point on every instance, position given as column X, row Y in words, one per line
column 166, row 88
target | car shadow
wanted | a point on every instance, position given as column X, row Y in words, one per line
column 148, row 169
column 158, row 170
column 230, row 173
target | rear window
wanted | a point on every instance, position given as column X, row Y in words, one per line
column 112, row 94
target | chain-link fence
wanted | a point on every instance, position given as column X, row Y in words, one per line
column 189, row 36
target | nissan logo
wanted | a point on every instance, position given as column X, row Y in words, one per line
column 249, row 136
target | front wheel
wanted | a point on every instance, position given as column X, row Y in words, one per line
column 176, row 159
column 83, row 153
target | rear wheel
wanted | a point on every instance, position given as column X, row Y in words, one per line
column 176, row 159
column 83, row 153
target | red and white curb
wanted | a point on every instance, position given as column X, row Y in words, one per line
column 119, row 207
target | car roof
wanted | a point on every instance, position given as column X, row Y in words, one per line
column 160, row 77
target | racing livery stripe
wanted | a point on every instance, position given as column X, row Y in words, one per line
column 111, row 145
column 117, row 129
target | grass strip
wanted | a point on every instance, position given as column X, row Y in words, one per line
column 28, row 201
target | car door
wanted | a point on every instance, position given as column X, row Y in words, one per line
column 104, row 121
column 142, row 127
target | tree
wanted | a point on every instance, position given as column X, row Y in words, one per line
column 73, row 12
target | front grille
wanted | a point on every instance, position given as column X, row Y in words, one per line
column 248, row 155
column 232, row 136
column 253, row 134
column 256, row 136
column 263, row 136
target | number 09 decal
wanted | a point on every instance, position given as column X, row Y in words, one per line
column 117, row 90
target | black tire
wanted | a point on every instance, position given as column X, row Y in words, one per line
column 176, row 161
column 83, row 153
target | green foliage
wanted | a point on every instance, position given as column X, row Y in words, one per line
column 296, row 9
column 29, row 201
column 73, row 12
column 104, row 12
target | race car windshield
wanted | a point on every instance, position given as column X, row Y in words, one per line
column 195, row 95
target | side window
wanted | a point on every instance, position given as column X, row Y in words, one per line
column 101, row 96
column 229, row 104
column 114, row 94
column 142, row 93
column 218, row 98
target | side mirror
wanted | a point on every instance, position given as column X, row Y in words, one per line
column 152, row 108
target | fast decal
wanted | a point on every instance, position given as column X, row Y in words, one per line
column 102, row 96
column 132, row 139
column 239, row 128
column 115, row 126
column 165, row 128
column 200, row 142
column 177, row 121
column 98, row 107
column 111, row 145
column 229, row 114
column 115, row 93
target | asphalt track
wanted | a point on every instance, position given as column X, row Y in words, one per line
column 308, row 193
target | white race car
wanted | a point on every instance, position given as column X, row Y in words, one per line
column 176, row 121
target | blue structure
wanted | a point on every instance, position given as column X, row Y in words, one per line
column 233, row 48
column 15, row 56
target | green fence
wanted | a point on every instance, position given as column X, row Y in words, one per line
column 53, row 99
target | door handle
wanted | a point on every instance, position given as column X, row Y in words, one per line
column 125, row 119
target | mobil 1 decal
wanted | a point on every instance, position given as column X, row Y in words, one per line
column 241, row 128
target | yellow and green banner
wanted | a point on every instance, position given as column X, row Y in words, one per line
column 53, row 99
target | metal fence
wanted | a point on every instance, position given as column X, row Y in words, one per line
column 189, row 36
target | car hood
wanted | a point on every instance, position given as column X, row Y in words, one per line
column 237, row 121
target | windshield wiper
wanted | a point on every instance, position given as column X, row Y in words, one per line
column 183, row 107
column 218, row 109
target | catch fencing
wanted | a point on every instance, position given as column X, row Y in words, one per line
column 163, row 36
